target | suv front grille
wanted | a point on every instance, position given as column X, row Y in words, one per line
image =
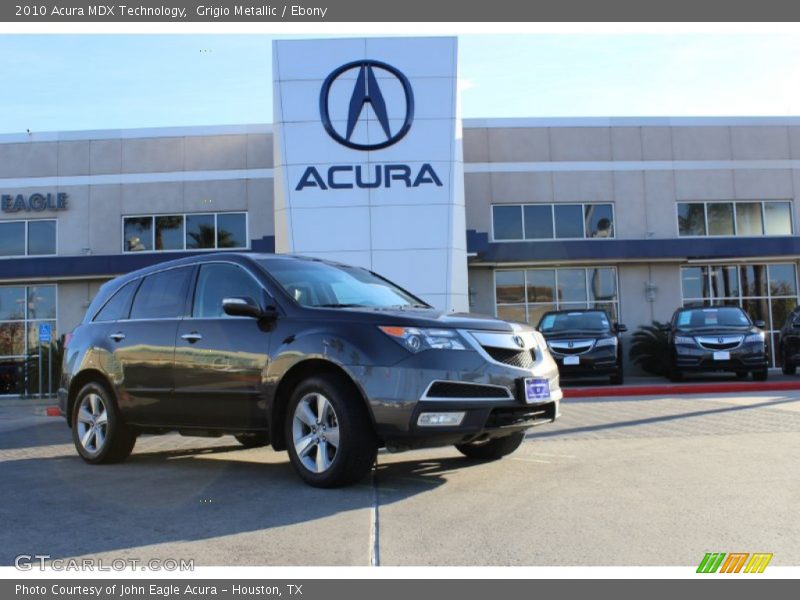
column 522, row 359
column 725, row 342
column 450, row 389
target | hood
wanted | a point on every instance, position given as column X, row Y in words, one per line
column 576, row 333
column 727, row 330
column 427, row 317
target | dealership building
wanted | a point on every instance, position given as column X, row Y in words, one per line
column 368, row 162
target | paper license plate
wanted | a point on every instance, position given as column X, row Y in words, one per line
column 572, row 360
column 722, row 355
column 536, row 390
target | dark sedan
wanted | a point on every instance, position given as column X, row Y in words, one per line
column 789, row 343
column 584, row 343
column 718, row 338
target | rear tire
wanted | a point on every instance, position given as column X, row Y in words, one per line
column 492, row 449
column 760, row 375
column 329, row 434
column 98, row 431
column 253, row 440
column 618, row 378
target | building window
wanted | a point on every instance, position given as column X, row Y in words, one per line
column 766, row 292
column 165, row 233
column 517, row 222
column 734, row 218
column 22, row 309
column 524, row 295
column 27, row 238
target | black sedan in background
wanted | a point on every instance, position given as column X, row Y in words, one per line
column 789, row 343
column 716, row 338
column 584, row 343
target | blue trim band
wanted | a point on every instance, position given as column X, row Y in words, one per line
column 99, row 265
column 611, row 250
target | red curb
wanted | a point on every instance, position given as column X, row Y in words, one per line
column 680, row 388
column 53, row 411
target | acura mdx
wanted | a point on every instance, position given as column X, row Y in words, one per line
column 326, row 361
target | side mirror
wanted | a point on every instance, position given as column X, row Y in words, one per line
column 243, row 306
column 620, row 328
column 760, row 324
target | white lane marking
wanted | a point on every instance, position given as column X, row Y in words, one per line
column 374, row 531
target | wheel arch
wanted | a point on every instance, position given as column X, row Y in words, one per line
column 290, row 380
column 80, row 380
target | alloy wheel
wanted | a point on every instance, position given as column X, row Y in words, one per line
column 315, row 432
column 92, row 423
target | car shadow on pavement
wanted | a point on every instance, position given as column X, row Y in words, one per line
column 54, row 503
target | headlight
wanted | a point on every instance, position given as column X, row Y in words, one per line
column 609, row 341
column 755, row 338
column 684, row 339
column 415, row 339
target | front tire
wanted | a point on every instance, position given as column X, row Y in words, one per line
column 492, row 449
column 760, row 375
column 329, row 434
column 98, row 431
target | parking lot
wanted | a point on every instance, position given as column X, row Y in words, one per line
column 617, row 481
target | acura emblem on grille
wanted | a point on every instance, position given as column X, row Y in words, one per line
column 720, row 340
column 570, row 344
column 519, row 341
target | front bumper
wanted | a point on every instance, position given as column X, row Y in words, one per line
column 747, row 357
column 399, row 394
column 595, row 363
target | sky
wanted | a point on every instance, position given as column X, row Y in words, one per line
column 74, row 82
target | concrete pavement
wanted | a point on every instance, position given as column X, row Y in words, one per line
column 617, row 481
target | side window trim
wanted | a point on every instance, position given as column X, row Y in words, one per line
column 127, row 308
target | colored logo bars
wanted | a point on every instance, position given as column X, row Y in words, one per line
column 734, row 562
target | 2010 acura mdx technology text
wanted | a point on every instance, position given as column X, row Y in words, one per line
column 327, row 361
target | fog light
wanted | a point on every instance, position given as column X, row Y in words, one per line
column 440, row 419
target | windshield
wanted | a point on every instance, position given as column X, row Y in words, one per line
column 335, row 286
column 568, row 321
column 709, row 318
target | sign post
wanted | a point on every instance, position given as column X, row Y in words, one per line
column 45, row 337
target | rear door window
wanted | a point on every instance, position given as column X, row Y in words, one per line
column 117, row 307
column 162, row 295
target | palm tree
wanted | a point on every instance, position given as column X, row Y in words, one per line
column 650, row 348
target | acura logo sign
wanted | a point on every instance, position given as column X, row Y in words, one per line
column 367, row 90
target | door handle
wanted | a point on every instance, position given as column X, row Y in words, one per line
column 117, row 337
column 192, row 337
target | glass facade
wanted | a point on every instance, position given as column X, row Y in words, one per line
column 524, row 295
column 22, row 309
column 203, row 231
column 516, row 222
column 766, row 291
column 734, row 218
